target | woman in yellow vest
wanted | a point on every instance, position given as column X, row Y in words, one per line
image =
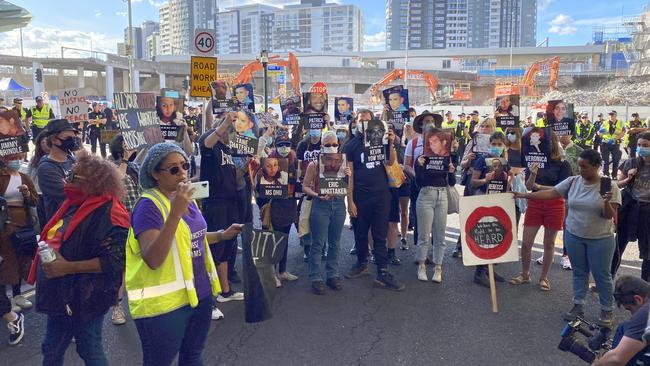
column 170, row 280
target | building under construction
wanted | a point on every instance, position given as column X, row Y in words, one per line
column 638, row 53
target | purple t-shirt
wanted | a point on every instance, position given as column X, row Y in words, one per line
column 146, row 216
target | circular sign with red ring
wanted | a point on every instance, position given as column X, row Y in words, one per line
column 488, row 232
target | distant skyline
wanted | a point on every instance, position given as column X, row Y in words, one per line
column 563, row 22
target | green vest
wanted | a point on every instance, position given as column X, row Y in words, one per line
column 609, row 136
column 22, row 114
column 153, row 292
column 629, row 125
column 42, row 117
column 540, row 123
column 580, row 131
column 451, row 124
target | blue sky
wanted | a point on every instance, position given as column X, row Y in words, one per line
column 73, row 23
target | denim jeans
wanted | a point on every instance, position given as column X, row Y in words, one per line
column 326, row 223
column 59, row 333
column 431, row 209
column 181, row 332
column 593, row 255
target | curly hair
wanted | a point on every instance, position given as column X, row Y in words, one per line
column 97, row 176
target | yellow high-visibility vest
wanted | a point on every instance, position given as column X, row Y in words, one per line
column 42, row 117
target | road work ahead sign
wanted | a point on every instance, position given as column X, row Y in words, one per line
column 204, row 71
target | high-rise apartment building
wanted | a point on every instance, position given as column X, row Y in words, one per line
column 460, row 23
column 179, row 18
column 140, row 35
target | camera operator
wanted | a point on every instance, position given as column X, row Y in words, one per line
column 633, row 294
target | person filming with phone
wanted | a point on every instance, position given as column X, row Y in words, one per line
column 592, row 202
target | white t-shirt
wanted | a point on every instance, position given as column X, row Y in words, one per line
column 12, row 194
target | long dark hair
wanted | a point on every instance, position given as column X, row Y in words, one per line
column 38, row 150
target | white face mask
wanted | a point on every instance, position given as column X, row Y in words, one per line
column 329, row 150
column 360, row 126
column 284, row 150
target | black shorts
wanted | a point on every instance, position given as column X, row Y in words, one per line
column 393, row 215
column 405, row 189
column 219, row 215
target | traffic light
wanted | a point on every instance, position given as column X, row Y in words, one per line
column 186, row 84
column 39, row 75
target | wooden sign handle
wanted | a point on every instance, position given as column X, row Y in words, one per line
column 493, row 289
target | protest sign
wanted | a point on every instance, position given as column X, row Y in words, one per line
column 315, row 110
column 331, row 175
column 244, row 98
column 343, row 108
column 507, row 110
column 560, row 117
column 106, row 136
column 290, row 110
column 374, row 141
column 72, row 103
column 397, row 100
column 221, row 98
column 203, row 72
column 137, row 118
column 437, row 150
column 536, row 146
column 341, row 132
column 244, row 140
column 267, row 120
column 169, row 132
column 273, row 178
column 262, row 249
column 13, row 137
column 499, row 181
column 482, row 143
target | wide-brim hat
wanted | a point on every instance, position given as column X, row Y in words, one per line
column 417, row 123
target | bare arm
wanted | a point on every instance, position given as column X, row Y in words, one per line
column 352, row 208
column 308, row 184
column 221, row 235
column 219, row 132
column 408, row 166
column 622, row 354
column 547, row 194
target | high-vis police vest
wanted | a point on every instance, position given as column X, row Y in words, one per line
column 40, row 118
column 584, row 134
column 153, row 292
column 605, row 132
column 22, row 113
column 632, row 124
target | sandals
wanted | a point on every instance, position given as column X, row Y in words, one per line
column 520, row 279
column 544, row 284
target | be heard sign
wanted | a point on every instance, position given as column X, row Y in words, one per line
column 203, row 72
column 73, row 105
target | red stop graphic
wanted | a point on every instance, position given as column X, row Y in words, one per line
column 318, row 87
column 497, row 235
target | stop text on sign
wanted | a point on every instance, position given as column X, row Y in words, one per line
column 203, row 71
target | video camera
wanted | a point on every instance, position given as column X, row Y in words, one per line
column 598, row 339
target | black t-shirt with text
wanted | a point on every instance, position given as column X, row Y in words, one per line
column 369, row 177
column 306, row 153
column 218, row 168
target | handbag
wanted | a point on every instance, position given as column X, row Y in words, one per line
column 305, row 216
column 265, row 214
column 453, row 200
column 395, row 174
column 24, row 239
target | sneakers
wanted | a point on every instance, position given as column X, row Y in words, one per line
column 457, row 253
column 577, row 310
column 318, row 288
column 386, row 281
column 437, row 274
column 16, row 329
column 353, row 251
column 605, row 319
column 21, row 301
column 429, row 260
column 392, row 259
column 118, row 317
column 305, row 258
column 565, row 262
column 230, row 296
column 278, row 283
column 216, row 313
column 404, row 245
column 540, row 260
column 287, row 276
column 334, row 283
column 422, row 272
column 358, row 270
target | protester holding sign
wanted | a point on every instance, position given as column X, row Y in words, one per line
column 13, row 136
column 290, row 110
column 542, row 173
column 243, row 138
column 560, row 117
column 343, row 109
column 592, row 203
column 172, row 124
column 244, row 97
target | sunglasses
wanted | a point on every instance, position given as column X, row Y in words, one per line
column 176, row 169
column 331, row 145
column 583, row 117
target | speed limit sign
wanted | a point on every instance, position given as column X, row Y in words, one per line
column 204, row 41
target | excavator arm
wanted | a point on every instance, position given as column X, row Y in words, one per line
column 291, row 65
column 395, row 74
column 553, row 63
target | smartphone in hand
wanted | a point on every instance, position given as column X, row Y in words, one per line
column 605, row 185
column 201, row 190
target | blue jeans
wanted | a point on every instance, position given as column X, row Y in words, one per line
column 431, row 209
column 59, row 333
column 593, row 255
column 182, row 331
column 326, row 223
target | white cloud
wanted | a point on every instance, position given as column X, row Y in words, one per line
column 122, row 13
column 98, row 13
column 543, row 4
column 560, row 20
column 563, row 30
column 373, row 42
column 47, row 42
column 156, row 4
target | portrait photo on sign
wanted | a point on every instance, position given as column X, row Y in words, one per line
column 536, row 146
column 246, row 124
column 10, row 125
column 560, row 117
column 343, row 107
column 438, row 143
column 291, row 110
column 169, row 110
column 507, row 110
column 221, row 97
column 482, row 143
column 244, row 97
column 274, row 171
column 397, row 99
column 315, row 102
column 374, row 133
column 331, row 174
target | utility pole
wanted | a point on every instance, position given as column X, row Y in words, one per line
column 406, row 54
column 132, row 80
column 264, row 59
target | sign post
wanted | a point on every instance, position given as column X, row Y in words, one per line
column 203, row 72
column 204, row 42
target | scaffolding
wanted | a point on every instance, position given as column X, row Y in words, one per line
column 638, row 53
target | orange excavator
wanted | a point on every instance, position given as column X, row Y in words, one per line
column 551, row 63
column 291, row 64
column 375, row 90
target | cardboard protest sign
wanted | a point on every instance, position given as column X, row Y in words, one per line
column 488, row 229
column 137, row 118
column 343, row 108
column 244, row 98
column 244, row 140
column 13, row 137
column 261, row 249
column 291, row 112
column 106, row 136
column 507, row 110
column 397, row 100
column 170, row 132
column 203, row 71
column 560, row 117
column 374, row 141
column 482, row 143
column 73, row 105
column 273, row 178
column 497, row 170
column 267, row 120
column 536, row 146
column 437, row 150
column 315, row 110
column 221, row 100
column 331, row 174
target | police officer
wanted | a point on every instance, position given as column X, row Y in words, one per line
column 24, row 113
column 473, row 121
column 461, row 133
column 41, row 115
column 451, row 123
column 96, row 123
column 585, row 132
column 612, row 132
column 634, row 127
column 597, row 124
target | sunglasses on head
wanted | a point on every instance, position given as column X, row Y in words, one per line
column 176, row 169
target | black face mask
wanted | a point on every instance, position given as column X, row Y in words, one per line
column 70, row 144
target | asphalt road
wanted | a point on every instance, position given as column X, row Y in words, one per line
column 443, row 324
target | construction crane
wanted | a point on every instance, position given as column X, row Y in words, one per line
column 291, row 64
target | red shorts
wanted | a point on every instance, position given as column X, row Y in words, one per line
column 547, row 213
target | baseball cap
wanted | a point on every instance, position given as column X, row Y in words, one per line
column 39, row 98
column 474, row 113
column 599, row 115
column 461, row 115
column 59, row 125
column 448, row 112
column 612, row 112
column 635, row 114
column 18, row 100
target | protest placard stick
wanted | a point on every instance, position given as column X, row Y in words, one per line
column 493, row 289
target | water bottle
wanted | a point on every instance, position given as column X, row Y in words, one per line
column 46, row 253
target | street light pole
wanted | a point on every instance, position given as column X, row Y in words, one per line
column 132, row 80
column 264, row 58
